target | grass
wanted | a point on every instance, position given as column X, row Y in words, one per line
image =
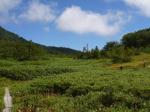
column 137, row 62
column 71, row 85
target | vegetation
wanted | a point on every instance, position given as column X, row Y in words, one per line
column 61, row 50
column 137, row 39
column 131, row 44
column 26, row 73
column 15, row 47
column 93, row 54
column 92, row 86
column 92, row 82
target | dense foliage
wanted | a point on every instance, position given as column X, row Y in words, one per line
column 110, row 45
column 93, row 54
column 61, row 50
column 28, row 73
column 113, row 50
column 120, row 54
column 131, row 44
column 137, row 39
column 92, row 87
column 13, row 46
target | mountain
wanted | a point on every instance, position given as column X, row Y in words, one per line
column 9, row 36
column 61, row 50
column 14, row 46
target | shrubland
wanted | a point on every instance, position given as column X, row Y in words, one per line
column 88, row 85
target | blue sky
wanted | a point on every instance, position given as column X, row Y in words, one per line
column 74, row 23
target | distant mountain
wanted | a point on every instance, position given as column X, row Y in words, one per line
column 12, row 45
column 61, row 50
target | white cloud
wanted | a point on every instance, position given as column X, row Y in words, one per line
column 142, row 5
column 7, row 5
column 7, row 8
column 38, row 12
column 74, row 19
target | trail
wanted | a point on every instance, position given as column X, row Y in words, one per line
column 7, row 101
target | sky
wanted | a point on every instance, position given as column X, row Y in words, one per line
column 74, row 23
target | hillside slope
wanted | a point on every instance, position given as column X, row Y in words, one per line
column 61, row 50
column 137, row 39
column 11, row 44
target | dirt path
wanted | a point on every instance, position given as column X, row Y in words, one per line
column 7, row 101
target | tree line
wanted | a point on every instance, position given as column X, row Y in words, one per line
column 131, row 44
column 15, row 47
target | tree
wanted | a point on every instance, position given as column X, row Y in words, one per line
column 95, row 53
column 121, row 54
column 137, row 39
column 110, row 45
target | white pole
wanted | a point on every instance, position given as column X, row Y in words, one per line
column 7, row 101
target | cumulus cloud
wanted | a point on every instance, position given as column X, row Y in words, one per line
column 6, row 13
column 38, row 12
column 142, row 5
column 7, row 5
column 74, row 19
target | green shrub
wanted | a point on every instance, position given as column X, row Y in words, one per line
column 61, row 87
column 107, row 99
column 121, row 54
column 77, row 91
column 30, row 73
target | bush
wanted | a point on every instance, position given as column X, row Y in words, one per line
column 61, row 87
column 50, row 88
column 77, row 91
column 107, row 99
column 30, row 73
column 121, row 54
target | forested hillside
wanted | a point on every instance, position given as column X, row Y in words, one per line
column 13, row 46
column 61, row 50
column 137, row 39
column 16, row 47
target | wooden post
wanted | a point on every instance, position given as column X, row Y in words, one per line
column 121, row 67
column 7, row 101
